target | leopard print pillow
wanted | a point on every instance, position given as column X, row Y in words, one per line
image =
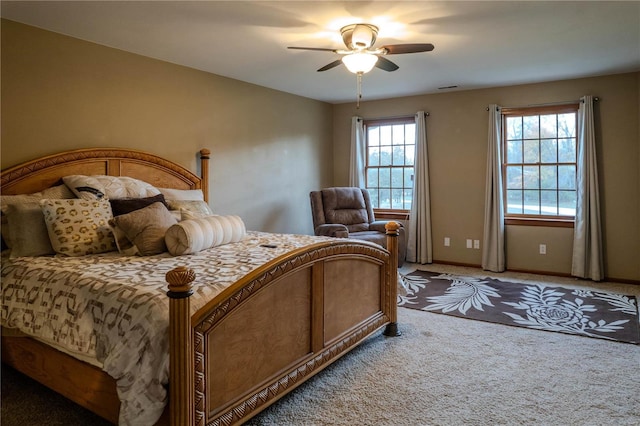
column 78, row 227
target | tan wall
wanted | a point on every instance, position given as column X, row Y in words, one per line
column 457, row 146
column 269, row 149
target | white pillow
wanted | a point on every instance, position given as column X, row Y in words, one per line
column 112, row 187
column 195, row 206
column 55, row 192
column 188, row 214
column 193, row 235
column 182, row 194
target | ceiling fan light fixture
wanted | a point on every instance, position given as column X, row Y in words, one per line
column 360, row 63
column 361, row 37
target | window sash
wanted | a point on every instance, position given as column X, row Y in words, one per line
column 538, row 178
column 390, row 174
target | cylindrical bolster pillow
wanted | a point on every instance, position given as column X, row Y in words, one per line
column 192, row 235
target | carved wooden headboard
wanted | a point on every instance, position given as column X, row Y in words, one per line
column 45, row 172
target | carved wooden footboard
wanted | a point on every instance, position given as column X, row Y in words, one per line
column 277, row 327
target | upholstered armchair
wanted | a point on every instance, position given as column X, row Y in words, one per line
column 346, row 212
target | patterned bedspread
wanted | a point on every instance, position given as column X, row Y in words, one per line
column 115, row 308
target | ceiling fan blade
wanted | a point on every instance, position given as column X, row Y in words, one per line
column 331, row 65
column 321, row 49
column 396, row 49
column 385, row 64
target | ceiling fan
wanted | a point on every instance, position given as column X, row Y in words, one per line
column 360, row 56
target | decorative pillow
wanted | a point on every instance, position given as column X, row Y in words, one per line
column 193, row 235
column 78, row 227
column 146, row 227
column 196, row 206
column 125, row 247
column 112, row 187
column 182, row 194
column 56, row 192
column 188, row 214
column 29, row 235
column 127, row 205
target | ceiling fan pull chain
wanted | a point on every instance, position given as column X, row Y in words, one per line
column 359, row 85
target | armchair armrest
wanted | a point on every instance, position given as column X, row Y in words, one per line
column 378, row 225
column 332, row 230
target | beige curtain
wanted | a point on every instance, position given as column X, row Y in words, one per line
column 587, row 234
column 419, row 244
column 358, row 154
column 493, row 255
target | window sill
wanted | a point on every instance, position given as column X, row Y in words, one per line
column 553, row 223
column 391, row 214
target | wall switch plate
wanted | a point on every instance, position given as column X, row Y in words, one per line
column 543, row 249
column 447, row 242
column 469, row 243
column 476, row 244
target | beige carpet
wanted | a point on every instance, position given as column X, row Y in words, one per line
column 443, row 370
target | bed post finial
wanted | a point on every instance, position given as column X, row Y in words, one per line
column 393, row 231
column 204, row 172
column 181, row 381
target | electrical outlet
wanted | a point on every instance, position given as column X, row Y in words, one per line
column 476, row 244
column 469, row 243
column 543, row 249
column 447, row 241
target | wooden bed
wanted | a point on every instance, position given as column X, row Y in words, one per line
column 304, row 309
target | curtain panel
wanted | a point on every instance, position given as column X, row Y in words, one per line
column 420, row 244
column 493, row 253
column 587, row 259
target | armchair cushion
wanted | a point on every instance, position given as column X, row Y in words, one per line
column 332, row 230
column 346, row 206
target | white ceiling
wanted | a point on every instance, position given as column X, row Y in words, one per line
column 477, row 43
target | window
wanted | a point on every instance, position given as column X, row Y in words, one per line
column 391, row 147
column 539, row 162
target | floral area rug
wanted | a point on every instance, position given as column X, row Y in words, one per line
column 583, row 312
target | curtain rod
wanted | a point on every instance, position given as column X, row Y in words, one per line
column 390, row 118
column 595, row 99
